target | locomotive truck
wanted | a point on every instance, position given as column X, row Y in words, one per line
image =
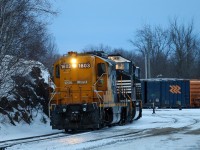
column 92, row 90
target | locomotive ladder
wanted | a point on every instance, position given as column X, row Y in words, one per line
column 53, row 93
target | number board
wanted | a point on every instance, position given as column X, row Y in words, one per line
column 84, row 65
column 80, row 65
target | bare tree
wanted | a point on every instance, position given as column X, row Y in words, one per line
column 51, row 54
column 23, row 35
column 153, row 45
column 197, row 66
column 160, row 52
column 184, row 43
column 100, row 47
column 22, row 28
column 22, row 32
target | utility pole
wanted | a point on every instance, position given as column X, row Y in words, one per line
column 147, row 66
column 145, row 63
column 149, row 49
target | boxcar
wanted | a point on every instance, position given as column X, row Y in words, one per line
column 195, row 93
column 170, row 93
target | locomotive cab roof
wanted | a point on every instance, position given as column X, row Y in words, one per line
column 118, row 58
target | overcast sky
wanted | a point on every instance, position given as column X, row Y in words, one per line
column 82, row 23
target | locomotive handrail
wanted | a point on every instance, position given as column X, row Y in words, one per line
column 54, row 93
column 128, row 97
column 94, row 87
column 99, row 79
column 98, row 95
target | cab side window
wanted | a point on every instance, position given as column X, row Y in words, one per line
column 101, row 68
column 57, row 71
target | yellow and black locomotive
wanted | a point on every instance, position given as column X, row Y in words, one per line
column 92, row 90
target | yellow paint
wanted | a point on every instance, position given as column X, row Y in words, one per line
column 79, row 82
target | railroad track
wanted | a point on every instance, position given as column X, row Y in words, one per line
column 119, row 138
column 10, row 143
column 176, row 120
column 191, row 123
column 146, row 133
column 57, row 136
column 182, row 128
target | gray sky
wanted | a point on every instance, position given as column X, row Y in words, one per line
column 82, row 23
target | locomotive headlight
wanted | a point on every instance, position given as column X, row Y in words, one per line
column 74, row 65
column 84, row 107
column 64, row 110
column 74, row 62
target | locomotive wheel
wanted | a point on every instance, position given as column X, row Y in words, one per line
column 121, row 123
column 71, row 131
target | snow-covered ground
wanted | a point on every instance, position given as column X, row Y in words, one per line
column 22, row 130
column 167, row 129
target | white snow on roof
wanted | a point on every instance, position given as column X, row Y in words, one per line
column 118, row 59
column 164, row 79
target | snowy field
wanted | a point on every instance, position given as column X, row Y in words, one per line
column 171, row 129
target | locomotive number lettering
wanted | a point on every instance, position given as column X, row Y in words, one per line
column 84, row 65
column 65, row 66
column 80, row 65
column 82, row 82
column 68, row 82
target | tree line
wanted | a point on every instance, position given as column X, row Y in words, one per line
column 23, row 30
column 24, row 35
column 171, row 52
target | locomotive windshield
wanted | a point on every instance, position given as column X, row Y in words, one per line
column 121, row 63
column 123, row 66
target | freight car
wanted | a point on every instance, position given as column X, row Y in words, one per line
column 92, row 90
column 170, row 93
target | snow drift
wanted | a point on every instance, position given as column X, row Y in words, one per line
column 23, row 90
